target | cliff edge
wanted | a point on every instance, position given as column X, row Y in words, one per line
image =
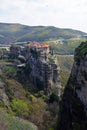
column 73, row 106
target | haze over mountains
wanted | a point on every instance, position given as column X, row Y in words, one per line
column 20, row 33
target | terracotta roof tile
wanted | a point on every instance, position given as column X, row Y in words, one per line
column 38, row 45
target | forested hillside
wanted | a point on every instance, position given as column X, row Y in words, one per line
column 17, row 32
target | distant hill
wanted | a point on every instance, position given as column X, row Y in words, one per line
column 18, row 32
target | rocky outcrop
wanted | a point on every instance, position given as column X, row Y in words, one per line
column 79, row 73
column 4, row 101
column 45, row 74
column 73, row 108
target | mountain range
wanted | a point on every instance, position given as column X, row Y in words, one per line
column 20, row 33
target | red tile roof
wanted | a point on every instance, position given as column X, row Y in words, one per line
column 38, row 45
column 45, row 45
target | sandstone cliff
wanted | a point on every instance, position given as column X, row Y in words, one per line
column 73, row 108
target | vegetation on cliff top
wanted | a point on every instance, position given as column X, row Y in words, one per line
column 81, row 50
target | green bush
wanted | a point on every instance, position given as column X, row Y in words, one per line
column 51, row 129
column 81, row 50
column 19, row 107
column 7, row 122
column 53, row 98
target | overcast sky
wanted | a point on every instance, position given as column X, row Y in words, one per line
column 59, row 13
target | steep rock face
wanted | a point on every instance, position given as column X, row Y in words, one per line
column 79, row 72
column 73, row 108
column 45, row 74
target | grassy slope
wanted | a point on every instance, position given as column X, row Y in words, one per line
column 65, row 63
column 67, row 48
column 14, row 123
